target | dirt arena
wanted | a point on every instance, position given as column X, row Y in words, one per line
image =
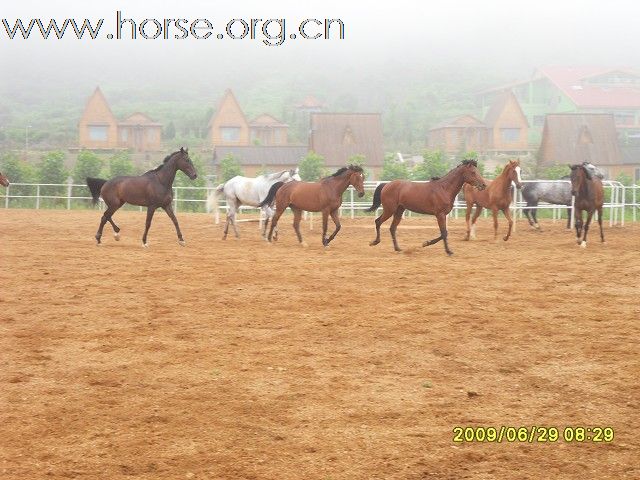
column 241, row 360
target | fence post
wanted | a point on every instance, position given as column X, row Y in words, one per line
column 37, row 197
column 635, row 206
column 352, row 206
column 6, row 198
column 69, row 192
column 573, row 211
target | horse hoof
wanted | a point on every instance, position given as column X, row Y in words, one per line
column 145, row 245
column 426, row 244
column 449, row 254
column 116, row 236
column 537, row 226
column 583, row 244
column 373, row 243
column 182, row 243
column 505, row 238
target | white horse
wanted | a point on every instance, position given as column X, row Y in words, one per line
column 250, row 191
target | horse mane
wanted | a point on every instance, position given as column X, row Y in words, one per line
column 164, row 162
column 469, row 162
column 353, row 168
column 433, row 179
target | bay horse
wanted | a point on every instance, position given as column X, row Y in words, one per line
column 4, row 181
column 589, row 193
column 152, row 189
column 497, row 196
column 250, row 191
column 556, row 193
column 324, row 196
column 434, row 198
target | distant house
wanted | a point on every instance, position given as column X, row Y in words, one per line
column 504, row 130
column 99, row 129
column 459, row 134
column 570, row 138
column 229, row 126
column 339, row 136
column 561, row 89
column 259, row 158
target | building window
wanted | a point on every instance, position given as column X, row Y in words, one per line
column 510, row 134
column 230, row 134
column 98, row 133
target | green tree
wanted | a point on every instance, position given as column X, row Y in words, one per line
column 624, row 179
column 433, row 165
column 88, row 164
column 311, row 168
column 120, row 164
column 556, row 172
column 51, row 168
column 497, row 171
column 16, row 170
column 229, row 167
column 393, row 169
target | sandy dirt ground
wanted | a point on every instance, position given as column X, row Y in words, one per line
column 242, row 360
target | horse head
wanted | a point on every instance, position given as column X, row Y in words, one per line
column 471, row 175
column 513, row 171
column 294, row 173
column 357, row 179
column 184, row 163
column 4, row 181
column 579, row 176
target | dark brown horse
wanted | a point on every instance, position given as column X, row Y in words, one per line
column 589, row 195
column 151, row 190
column 434, row 198
column 324, row 196
column 497, row 196
column 4, row 181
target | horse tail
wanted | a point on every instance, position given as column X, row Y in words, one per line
column 95, row 186
column 212, row 198
column 268, row 200
column 376, row 198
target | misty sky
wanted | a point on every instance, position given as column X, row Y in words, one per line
column 387, row 39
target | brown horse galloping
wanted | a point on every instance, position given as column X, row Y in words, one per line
column 434, row 198
column 589, row 193
column 4, row 181
column 497, row 196
column 324, row 196
column 152, row 190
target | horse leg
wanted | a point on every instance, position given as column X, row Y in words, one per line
column 231, row 214
column 494, row 214
column 274, row 221
column 116, row 229
column 336, row 221
column 105, row 218
column 507, row 214
column 150, row 212
column 297, row 217
column 467, row 217
column 379, row 221
column 569, row 218
column 476, row 214
column 600, row 224
column 172, row 216
column 442, row 223
column 583, row 244
column 325, row 226
column 268, row 213
column 397, row 216
column 578, row 225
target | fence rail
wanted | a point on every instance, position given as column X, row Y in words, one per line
column 623, row 201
